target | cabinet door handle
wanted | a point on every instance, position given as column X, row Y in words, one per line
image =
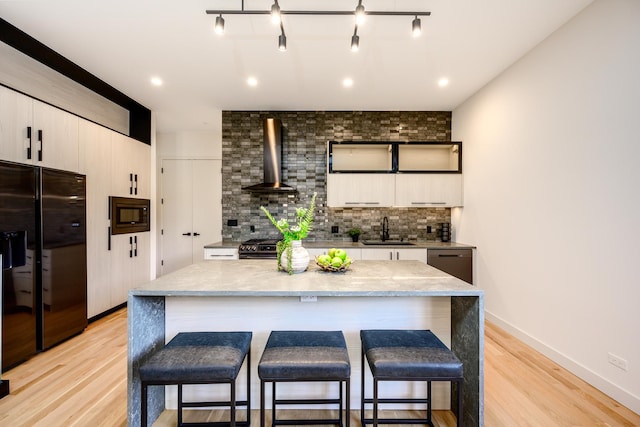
column 109, row 238
column 130, row 183
column 135, row 241
column 196, row 234
column 130, row 247
column 29, row 138
column 135, row 180
column 390, row 255
column 186, row 234
column 449, row 256
column 398, row 256
column 41, row 140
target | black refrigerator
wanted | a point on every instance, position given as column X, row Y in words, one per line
column 44, row 273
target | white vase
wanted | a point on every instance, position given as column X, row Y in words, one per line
column 299, row 258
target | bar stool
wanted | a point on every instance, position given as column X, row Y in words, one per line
column 407, row 355
column 200, row 358
column 305, row 356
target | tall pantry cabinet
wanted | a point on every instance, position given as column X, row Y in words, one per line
column 115, row 263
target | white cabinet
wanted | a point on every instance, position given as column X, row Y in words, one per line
column 220, row 254
column 131, row 168
column 115, row 263
column 33, row 132
column 428, row 190
column 370, row 190
column 95, row 163
column 130, row 259
column 395, row 254
column 16, row 116
column 353, row 253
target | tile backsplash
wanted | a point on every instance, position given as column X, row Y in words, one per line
column 304, row 167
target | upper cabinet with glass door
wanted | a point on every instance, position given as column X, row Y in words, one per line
column 361, row 157
column 430, row 157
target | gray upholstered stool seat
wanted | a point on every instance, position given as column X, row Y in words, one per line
column 200, row 358
column 407, row 355
column 304, row 356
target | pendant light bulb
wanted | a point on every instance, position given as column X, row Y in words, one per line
column 275, row 13
column 355, row 43
column 219, row 27
column 360, row 14
column 416, row 27
column 282, row 43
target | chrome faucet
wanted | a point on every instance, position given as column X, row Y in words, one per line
column 385, row 228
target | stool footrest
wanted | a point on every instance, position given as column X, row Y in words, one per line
column 398, row 421
column 211, row 404
column 320, row 421
column 215, row 424
column 305, row 401
column 398, row 400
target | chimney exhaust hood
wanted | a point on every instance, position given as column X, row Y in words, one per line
column 272, row 145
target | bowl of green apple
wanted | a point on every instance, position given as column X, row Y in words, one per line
column 335, row 261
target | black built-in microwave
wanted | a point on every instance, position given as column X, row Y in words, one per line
column 129, row 215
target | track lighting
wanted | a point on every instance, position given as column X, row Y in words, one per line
column 282, row 40
column 359, row 13
column 416, row 27
column 275, row 13
column 219, row 27
column 355, row 41
column 276, row 16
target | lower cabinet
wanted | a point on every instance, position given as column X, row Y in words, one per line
column 220, row 254
column 394, row 254
column 130, row 257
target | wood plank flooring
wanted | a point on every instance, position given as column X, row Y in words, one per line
column 82, row 382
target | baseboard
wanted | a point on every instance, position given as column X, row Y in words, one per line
column 617, row 393
column 4, row 388
column 108, row 312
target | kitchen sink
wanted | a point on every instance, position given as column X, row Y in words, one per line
column 387, row 243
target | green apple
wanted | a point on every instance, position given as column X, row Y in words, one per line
column 324, row 259
column 332, row 252
column 336, row 262
column 347, row 262
column 340, row 253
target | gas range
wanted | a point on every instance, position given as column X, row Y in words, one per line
column 258, row 249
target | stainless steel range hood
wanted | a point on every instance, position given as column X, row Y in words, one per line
column 272, row 145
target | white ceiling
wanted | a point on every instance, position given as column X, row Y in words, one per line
column 126, row 42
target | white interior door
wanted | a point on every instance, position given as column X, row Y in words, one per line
column 207, row 205
column 191, row 210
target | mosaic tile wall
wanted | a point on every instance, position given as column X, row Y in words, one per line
column 304, row 167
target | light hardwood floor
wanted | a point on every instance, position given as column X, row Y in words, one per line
column 82, row 382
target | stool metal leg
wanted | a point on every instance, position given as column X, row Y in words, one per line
column 362, row 396
column 261, row 403
column 179, row 405
column 348, row 404
column 249, row 387
column 232, row 412
column 429, row 401
column 143, row 412
column 375, row 402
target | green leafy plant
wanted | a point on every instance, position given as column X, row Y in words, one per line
column 295, row 231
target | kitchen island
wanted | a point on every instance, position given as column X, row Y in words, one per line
column 252, row 295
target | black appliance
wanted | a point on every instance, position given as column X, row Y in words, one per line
column 258, row 249
column 129, row 215
column 44, row 271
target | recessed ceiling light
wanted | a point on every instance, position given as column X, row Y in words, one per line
column 252, row 81
column 443, row 82
column 156, row 81
column 348, row 82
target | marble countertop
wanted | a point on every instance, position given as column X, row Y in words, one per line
column 346, row 244
column 260, row 278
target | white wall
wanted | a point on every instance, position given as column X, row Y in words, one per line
column 551, row 176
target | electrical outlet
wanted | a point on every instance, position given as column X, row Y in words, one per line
column 428, row 229
column 617, row 361
column 309, row 298
column 335, row 229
